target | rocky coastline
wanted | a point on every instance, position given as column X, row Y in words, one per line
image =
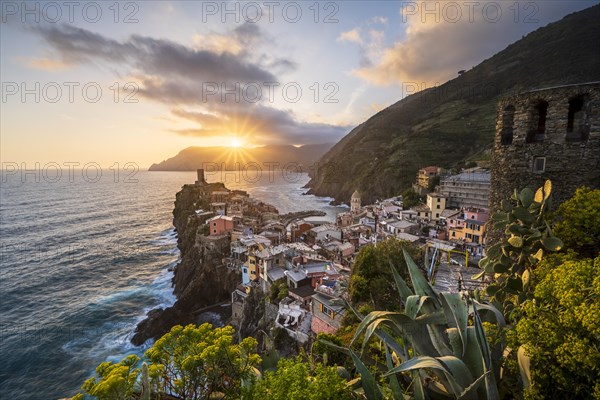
column 201, row 278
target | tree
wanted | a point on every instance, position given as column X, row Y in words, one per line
column 372, row 280
column 410, row 198
column 578, row 222
column 560, row 330
column 196, row 362
column 116, row 381
column 294, row 380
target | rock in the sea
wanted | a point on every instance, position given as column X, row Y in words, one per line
column 200, row 279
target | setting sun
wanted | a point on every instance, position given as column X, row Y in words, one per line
column 235, row 143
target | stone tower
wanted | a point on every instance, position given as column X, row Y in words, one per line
column 201, row 181
column 551, row 133
column 355, row 203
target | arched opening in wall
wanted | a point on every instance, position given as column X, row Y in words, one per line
column 508, row 121
column 537, row 132
column 576, row 127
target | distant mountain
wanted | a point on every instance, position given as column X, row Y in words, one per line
column 449, row 124
column 271, row 156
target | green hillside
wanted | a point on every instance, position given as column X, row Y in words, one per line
column 446, row 125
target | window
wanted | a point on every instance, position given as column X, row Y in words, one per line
column 438, row 206
column 214, row 231
column 328, row 311
column 537, row 131
column 539, row 165
column 214, row 224
column 508, row 120
column 576, row 129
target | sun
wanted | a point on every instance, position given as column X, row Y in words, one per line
column 235, row 143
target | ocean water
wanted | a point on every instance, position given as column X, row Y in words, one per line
column 84, row 257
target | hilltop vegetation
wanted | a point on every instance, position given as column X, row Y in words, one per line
column 382, row 155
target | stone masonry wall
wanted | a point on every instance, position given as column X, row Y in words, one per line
column 569, row 164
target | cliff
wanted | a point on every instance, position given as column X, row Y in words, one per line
column 381, row 156
column 200, row 279
column 192, row 158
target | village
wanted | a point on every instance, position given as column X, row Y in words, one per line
column 309, row 259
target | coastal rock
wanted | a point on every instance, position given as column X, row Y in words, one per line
column 201, row 278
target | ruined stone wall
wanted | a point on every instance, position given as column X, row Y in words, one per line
column 572, row 159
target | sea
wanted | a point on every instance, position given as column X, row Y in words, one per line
column 84, row 255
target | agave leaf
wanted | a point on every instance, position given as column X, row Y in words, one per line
column 524, row 362
column 458, row 369
column 473, row 357
column 435, row 318
column 419, row 282
column 455, row 341
column 457, row 314
column 490, row 382
column 417, row 385
column 392, row 343
column 401, row 285
column 372, row 317
column 440, row 340
column 420, row 362
column 486, row 306
column 393, row 379
column 369, row 384
column 471, row 390
column 412, row 305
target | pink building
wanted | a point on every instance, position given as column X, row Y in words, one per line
column 220, row 225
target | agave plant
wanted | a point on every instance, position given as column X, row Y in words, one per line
column 431, row 348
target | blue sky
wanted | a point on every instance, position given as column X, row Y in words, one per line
column 139, row 81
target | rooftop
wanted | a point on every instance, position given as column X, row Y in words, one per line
column 302, row 291
column 276, row 273
column 407, row 236
column 401, row 224
column 324, row 228
column 448, row 213
column 470, row 175
column 431, row 169
column 216, row 217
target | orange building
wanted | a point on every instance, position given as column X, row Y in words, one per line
column 220, row 225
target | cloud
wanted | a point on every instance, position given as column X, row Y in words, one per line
column 350, row 36
column 260, row 122
column 196, row 80
column 151, row 56
column 46, row 64
column 437, row 44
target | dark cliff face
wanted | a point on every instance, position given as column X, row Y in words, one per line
column 456, row 121
column 200, row 279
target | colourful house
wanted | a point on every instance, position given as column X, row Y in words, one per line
column 220, row 225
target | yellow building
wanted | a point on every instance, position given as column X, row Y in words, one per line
column 252, row 268
column 474, row 231
column 437, row 204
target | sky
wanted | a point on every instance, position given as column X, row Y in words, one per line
column 137, row 81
